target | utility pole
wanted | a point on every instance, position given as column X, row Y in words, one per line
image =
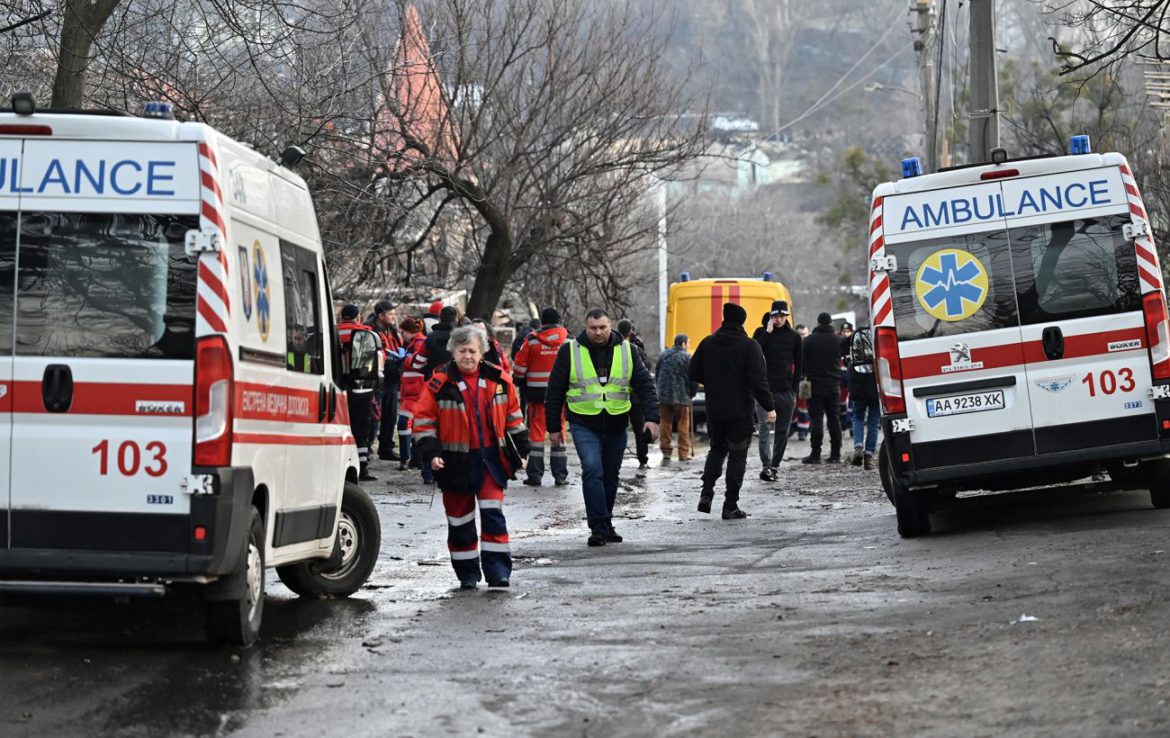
column 922, row 25
column 983, row 129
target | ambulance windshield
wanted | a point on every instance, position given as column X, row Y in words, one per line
column 99, row 285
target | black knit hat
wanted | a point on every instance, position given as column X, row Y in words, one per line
column 734, row 314
column 824, row 319
column 350, row 312
column 780, row 306
column 550, row 316
column 383, row 306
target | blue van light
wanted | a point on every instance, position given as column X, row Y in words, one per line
column 684, row 277
column 768, row 276
column 1080, row 145
column 911, row 167
column 159, row 109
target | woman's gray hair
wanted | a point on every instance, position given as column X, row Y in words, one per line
column 464, row 335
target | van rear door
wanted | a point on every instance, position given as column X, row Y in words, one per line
column 104, row 344
column 9, row 221
column 1080, row 306
column 954, row 301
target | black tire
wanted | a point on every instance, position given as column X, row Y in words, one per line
column 1159, row 483
column 237, row 621
column 884, row 467
column 912, row 506
column 359, row 534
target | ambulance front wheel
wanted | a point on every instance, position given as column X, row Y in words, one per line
column 236, row 621
column 1160, row 483
column 359, row 540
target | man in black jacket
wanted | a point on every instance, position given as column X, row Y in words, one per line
column 604, row 384
column 782, row 354
column 626, row 330
column 434, row 353
column 822, row 367
column 730, row 366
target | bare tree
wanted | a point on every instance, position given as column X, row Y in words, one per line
column 81, row 25
column 558, row 110
column 1110, row 30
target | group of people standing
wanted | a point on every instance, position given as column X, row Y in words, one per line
column 470, row 414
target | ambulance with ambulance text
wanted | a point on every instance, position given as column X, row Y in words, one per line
column 171, row 405
column 1020, row 329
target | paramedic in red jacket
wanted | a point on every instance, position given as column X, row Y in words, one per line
column 357, row 400
column 534, row 364
column 410, row 388
column 469, row 431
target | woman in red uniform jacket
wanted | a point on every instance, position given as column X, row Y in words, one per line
column 468, row 429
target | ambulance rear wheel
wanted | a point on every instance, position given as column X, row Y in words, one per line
column 359, row 540
column 237, row 621
column 1160, row 483
column 884, row 472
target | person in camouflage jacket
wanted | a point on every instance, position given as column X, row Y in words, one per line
column 675, row 390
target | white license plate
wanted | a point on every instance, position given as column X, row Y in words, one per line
column 976, row 402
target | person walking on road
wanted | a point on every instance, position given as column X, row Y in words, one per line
column 863, row 393
column 534, row 365
column 822, row 367
column 637, row 415
column 592, row 382
column 411, row 387
column 469, row 431
column 675, row 390
column 730, row 366
column 782, row 355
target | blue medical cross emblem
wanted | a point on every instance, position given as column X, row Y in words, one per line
column 952, row 284
column 260, row 270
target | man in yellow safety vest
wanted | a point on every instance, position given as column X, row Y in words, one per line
column 593, row 380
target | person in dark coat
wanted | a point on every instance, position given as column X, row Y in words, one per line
column 602, row 387
column 822, row 367
column 626, row 330
column 863, row 394
column 730, row 366
column 782, row 355
column 675, row 390
column 434, row 352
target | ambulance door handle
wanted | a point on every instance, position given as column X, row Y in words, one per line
column 322, row 400
column 57, row 388
column 1053, row 340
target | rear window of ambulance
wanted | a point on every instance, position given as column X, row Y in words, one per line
column 954, row 285
column 1075, row 269
column 97, row 285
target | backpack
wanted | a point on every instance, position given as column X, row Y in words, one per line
column 861, row 348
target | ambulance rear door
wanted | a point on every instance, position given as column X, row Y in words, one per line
column 1080, row 306
column 9, row 226
column 104, row 345
column 953, row 292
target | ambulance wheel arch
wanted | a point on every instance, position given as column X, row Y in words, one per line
column 359, row 539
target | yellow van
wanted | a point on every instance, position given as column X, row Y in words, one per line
column 695, row 307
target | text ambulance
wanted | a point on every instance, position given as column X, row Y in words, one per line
column 1020, row 329
column 171, row 403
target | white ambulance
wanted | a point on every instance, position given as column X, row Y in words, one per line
column 1021, row 333
column 171, row 403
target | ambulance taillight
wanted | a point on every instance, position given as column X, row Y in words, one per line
column 1158, row 333
column 889, row 371
column 213, row 402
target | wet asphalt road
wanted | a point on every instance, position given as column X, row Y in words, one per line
column 1037, row 613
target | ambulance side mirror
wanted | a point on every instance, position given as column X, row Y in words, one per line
column 364, row 353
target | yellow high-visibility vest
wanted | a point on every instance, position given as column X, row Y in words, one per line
column 586, row 394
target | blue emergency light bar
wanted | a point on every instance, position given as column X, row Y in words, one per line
column 159, row 109
column 1080, row 145
column 911, row 167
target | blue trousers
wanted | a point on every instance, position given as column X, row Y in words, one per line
column 601, row 461
column 868, row 415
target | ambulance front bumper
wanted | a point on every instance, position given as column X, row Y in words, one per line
column 70, row 546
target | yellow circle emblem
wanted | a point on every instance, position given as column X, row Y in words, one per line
column 951, row 285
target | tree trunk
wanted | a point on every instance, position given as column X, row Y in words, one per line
column 83, row 22
column 492, row 276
